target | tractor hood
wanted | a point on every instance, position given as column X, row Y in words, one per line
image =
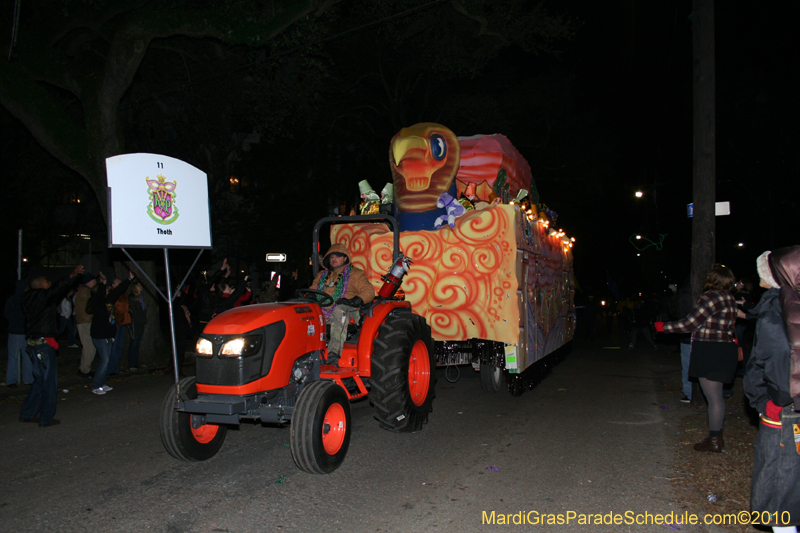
column 250, row 317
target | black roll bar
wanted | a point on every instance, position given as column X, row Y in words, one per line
column 356, row 219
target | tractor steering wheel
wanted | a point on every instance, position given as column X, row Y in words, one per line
column 327, row 299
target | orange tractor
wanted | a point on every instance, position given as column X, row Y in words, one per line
column 266, row 363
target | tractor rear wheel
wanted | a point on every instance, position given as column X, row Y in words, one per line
column 181, row 440
column 403, row 373
column 491, row 378
column 320, row 430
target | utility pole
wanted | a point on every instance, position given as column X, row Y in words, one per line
column 704, row 149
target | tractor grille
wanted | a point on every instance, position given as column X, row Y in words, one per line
column 216, row 371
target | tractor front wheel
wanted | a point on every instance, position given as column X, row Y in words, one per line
column 403, row 373
column 320, row 430
column 181, row 440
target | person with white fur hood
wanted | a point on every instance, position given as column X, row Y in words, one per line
column 772, row 384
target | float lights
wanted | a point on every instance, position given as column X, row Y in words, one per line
column 639, row 194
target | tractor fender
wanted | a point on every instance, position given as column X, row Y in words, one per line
column 369, row 330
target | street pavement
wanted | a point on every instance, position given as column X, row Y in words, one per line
column 597, row 436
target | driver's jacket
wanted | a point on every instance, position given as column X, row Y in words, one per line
column 357, row 283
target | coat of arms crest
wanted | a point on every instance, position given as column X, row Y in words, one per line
column 162, row 207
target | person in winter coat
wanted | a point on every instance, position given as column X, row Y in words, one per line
column 205, row 296
column 350, row 289
column 714, row 355
column 83, row 321
column 16, row 339
column 183, row 327
column 681, row 305
column 138, row 322
column 227, row 294
column 643, row 316
column 122, row 318
column 41, row 324
column 66, row 319
column 104, row 328
column 745, row 300
column 768, row 385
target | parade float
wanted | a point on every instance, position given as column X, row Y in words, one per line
column 491, row 274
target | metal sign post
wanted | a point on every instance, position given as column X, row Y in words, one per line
column 169, row 298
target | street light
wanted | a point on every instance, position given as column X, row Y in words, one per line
column 653, row 190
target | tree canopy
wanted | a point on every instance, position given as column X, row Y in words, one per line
column 74, row 60
column 294, row 100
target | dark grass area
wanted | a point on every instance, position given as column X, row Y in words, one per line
column 726, row 476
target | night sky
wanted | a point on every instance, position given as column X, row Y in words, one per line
column 610, row 113
column 635, row 65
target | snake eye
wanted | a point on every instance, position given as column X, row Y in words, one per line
column 438, row 147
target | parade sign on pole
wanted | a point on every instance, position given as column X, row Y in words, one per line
column 156, row 201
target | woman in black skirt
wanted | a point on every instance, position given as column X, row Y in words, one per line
column 714, row 356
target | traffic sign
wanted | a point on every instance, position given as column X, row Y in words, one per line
column 721, row 209
column 276, row 258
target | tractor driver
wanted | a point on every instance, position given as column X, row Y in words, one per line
column 350, row 289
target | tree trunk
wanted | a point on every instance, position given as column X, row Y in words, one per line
column 704, row 149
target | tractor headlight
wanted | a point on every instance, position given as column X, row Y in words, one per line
column 204, row 348
column 244, row 346
column 233, row 347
